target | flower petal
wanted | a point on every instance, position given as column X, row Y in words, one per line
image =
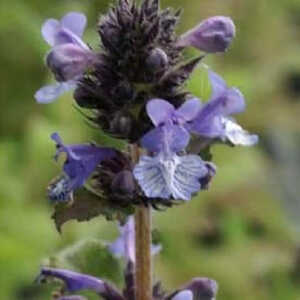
column 237, row 135
column 218, row 84
column 49, row 30
column 75, row 22
column 124, row 246
column 176, row 176
column 69, row 61
column 188, row 110
column 159, row 111
column 74, row 281
column 171, row 138
column 184, row 295
column 49, row 93
column 81, row 160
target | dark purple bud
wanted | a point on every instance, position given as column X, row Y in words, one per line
column 213, row 35
column 202, row 288
column 122, row 124
column 124, row 182
column 157, row 61
column 69, row 61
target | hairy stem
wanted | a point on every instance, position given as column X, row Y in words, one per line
column 143, row 237
column 143, row 271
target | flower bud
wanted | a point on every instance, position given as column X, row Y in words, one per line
column 69, row 61
column 212, row 35
column 157, row 60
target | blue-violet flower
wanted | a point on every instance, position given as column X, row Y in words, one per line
column 213, row 119
column 69, row 56
column 165, row 173
column 80, row 163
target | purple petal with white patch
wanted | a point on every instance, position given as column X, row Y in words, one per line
column 225, row 101
column 213, row 35
column 165, row 176
column 124, row 246
column 81, row 160
column 183, row 295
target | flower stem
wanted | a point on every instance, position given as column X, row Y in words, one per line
column 143, row 242
column 143, row 271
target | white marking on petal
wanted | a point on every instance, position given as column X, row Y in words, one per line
column 175, row 176
column 237, row 135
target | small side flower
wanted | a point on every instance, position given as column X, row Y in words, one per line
column 69, row 57
column 81, row 161
column 213, row 120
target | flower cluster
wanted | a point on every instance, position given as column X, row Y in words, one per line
column 124, row 246
column 134, row 90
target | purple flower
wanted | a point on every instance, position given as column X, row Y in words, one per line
column 124, row 246
column 213, row 35
column 80, row 163
column 75, row 282
column 163, row 114
column 213, row 119
column 167, row 174
column 69, row 57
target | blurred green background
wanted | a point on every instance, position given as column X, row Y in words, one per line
column 243, row 232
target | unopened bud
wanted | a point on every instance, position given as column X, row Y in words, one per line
column 213, row 35
column 68, row 61
column 157, row 60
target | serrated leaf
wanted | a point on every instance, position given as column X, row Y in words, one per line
column 87, row 205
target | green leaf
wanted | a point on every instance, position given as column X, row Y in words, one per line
column 87, row 205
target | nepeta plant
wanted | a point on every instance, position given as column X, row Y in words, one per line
column 133, row 88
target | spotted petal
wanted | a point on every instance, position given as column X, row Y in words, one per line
column 176, row 176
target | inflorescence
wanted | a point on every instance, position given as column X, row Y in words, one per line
column 133, row 88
